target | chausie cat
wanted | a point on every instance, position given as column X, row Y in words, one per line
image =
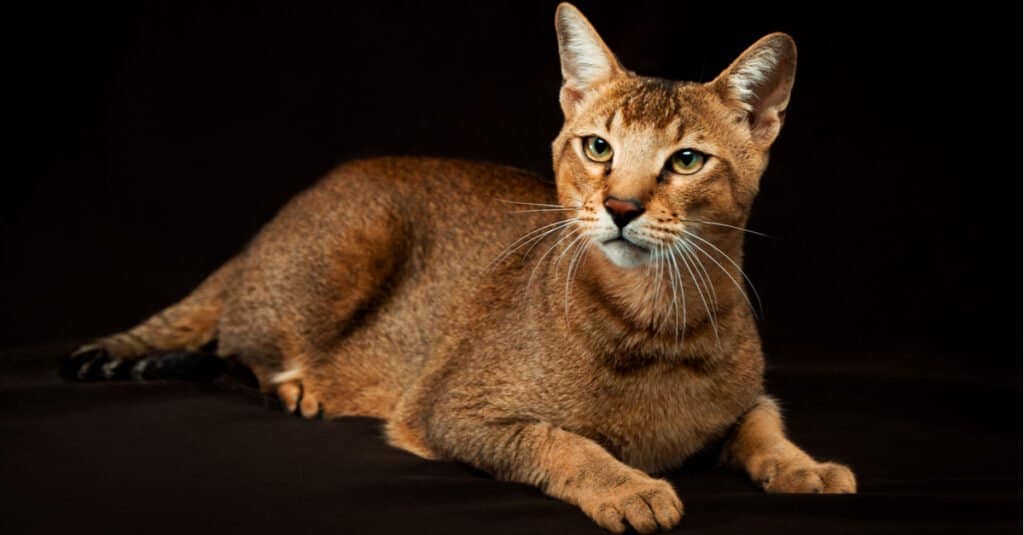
column 600, row 334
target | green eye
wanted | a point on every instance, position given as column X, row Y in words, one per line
column 597, row 149
column 687, row 161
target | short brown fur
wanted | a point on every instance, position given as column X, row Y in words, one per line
column 403, row 289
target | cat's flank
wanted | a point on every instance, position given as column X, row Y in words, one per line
column 576, row 338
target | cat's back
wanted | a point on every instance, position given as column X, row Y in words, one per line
column 461, row 208
column 445, row 183
column 454, row 216
column 460, row 198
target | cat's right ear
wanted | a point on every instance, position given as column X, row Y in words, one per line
column 586, row 60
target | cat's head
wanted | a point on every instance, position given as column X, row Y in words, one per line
column 644, row 161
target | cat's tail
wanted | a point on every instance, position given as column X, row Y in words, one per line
column 168, row 345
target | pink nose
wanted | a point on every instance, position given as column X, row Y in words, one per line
column 623, row 211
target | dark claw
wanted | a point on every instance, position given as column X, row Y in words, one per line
column 90, row 363
column 77, row 366
column 94, row 363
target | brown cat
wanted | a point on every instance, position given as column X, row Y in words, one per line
column 598, row 333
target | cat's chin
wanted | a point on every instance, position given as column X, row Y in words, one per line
column 625, row 254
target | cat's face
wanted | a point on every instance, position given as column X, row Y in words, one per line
column 646, row 163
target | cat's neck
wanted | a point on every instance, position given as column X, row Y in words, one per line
column 683, row 306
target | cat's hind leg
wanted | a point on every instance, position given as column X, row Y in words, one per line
column 309, row 288
column 266, row 343
column 169, row 344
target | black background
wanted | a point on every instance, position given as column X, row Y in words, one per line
column 150, row 141
column 147, row 142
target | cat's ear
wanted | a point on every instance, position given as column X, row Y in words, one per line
column 586, row 60
column 758, row 85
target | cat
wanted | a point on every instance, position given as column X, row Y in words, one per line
column 576, row 338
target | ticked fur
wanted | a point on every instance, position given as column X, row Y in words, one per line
column 492, row 319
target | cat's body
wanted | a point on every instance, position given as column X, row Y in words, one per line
column 383, row 284
column 568, row 336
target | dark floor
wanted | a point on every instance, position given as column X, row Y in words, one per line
column 937, row 450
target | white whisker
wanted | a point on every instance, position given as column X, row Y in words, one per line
column 663, row 271
column 570, row 275
column 558, row 262
column 700, row 293
column 535, row 234
column 726, row 225
column 701, row 270
column 676, row 277
column 535, row 210
column 726, row 271
column 568, row 248
column 542, row 205
column 655, row 296
column 537, row 241
column 572, row 232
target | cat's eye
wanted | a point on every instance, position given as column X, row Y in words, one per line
column 687, row 162
column 597, row 149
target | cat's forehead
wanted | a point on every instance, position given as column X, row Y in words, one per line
column 640, row 103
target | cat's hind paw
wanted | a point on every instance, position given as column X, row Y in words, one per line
column 92, row 362
column 299, row 399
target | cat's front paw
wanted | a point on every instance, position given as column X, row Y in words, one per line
column 813, row 477
column 645, row 503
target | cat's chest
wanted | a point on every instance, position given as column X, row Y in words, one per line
column 655, row 422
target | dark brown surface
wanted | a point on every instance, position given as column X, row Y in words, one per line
column 929, row 447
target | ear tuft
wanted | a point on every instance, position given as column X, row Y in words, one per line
column 586, row 60
column 759, row 83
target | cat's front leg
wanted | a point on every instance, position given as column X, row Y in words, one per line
column 569, row 467
column 759, row 446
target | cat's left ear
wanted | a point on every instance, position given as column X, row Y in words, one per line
column 758, row 85
column 586, row 60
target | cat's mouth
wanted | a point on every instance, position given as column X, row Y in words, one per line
column 624, row 242
column 625, row 253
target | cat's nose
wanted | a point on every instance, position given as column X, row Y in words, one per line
column 623, row 210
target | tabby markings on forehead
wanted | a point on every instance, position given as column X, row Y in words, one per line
column 610, row 120
column 652, row 101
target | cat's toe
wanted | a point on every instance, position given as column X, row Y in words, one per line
column 643, row 503
column 310, row 408
column 92, row 363
column 837, row 479
column 298, row 399
column 290, row 394
column 812, row 478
